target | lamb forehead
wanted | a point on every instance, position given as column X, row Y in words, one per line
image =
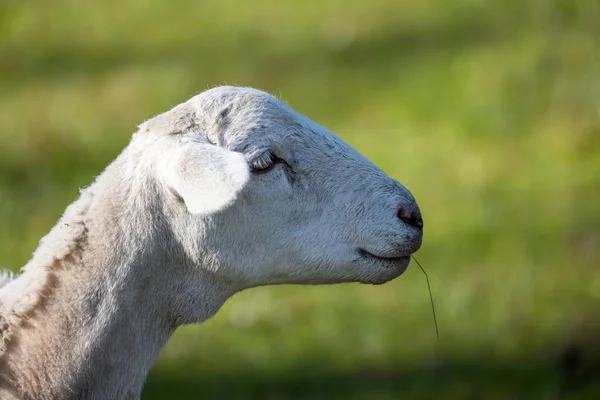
column 247, row 117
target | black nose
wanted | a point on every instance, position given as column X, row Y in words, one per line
column 411, row 217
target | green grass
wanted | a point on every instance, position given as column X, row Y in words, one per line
column 489, row 111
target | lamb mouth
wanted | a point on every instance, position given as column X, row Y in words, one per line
column 400, row 258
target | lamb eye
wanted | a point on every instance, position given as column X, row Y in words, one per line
column 264, row 163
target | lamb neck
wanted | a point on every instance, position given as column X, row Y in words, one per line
column 107, row 310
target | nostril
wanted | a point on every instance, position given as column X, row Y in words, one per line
column 412, row 218
column 416, row 220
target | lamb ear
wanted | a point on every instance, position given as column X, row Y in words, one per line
column 208, row 178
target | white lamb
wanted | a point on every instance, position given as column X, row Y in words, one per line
column 228, row 191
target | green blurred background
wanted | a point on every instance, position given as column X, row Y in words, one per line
column 489, row 111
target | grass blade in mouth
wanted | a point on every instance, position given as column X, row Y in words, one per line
column 437, row 333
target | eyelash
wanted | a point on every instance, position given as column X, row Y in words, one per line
column 264, row 163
